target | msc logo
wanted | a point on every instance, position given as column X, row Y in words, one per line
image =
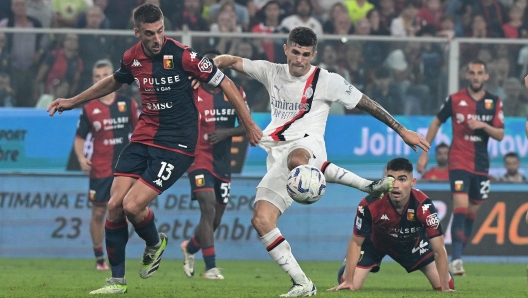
column 159, row 106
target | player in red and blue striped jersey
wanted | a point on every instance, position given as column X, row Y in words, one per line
column 164, row 140
column 404, row 225
column 210, row 173
column 109, row 120
column 476, row 115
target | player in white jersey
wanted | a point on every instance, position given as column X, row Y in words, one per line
column 300, row 96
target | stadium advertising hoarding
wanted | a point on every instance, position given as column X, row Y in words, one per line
column 49, row 216
column 30, row 140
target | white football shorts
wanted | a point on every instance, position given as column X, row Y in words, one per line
column 272, row 187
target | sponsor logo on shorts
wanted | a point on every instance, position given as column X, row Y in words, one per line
column 422, row 247
column 92, row 194
column 199, row 180
column 459, row 185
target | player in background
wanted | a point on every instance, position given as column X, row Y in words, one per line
column 163, row 144
column 404, row 225
column 476, row 115
column 108, row 140
column 526, row 131
column 300, row 97
column 210, row 173
column 440, row 172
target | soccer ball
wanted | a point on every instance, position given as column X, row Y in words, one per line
column 306, row 184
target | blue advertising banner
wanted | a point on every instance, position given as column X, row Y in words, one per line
column 32, row 141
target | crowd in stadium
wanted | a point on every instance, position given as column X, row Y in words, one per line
column 408, row 78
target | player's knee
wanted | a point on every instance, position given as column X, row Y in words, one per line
column 114, row 206
column 131, row 208
column 296, row 161
column 98, row 214
column 261, row 222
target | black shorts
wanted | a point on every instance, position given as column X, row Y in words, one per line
column 413, row 260
column 476, row 186
column 100, row 190
column 159, row 168
column 202, row 180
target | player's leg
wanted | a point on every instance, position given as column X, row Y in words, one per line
column 97, row 227
column 99, row 196
column 310, row 150
column 459, row 181
column 164, row 168
column 432, row 275
column 116, row 236
column 264, row 220
column 205, row 232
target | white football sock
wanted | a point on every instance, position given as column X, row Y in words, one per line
column 335, row 174
column 280, row 251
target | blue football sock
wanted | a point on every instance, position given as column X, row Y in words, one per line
column 458, row 237
column 116, row 236
column 209, row 257
column 147, row 230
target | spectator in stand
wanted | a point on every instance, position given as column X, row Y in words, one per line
column 355, row 63
column 60, row 89
column 515, row 22
column 242, row 14
column 512, row 164
column 7, row 94
column 387, row 12
column 494, row 14
column 430, row 14
column 439, row 172
column 225, row 23
column 268, row 47
column 93, row 16
column 329, row 62
column 67, row 12
column 5, row 11
column 515, row 102
column 447, row 27
column 119, row 13
column 386, row 92
column 41, row 10
column 406, row 24
column 432, row 68
column 357, row 9
column 94, row 47
column 63, row 65
column 362, row 27
column 336, row 23
column 5, row 59
column 303, row 17
column 25, row 50
column 190, row 17
column 376, row 26
column 494, row 83
column 82, row 19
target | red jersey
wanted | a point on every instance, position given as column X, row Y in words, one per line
column 215, row 112
column 469, row 148
column 398, row 234
column 169, row 118
column 436, row 174
column 268, row 44
column 110, row 126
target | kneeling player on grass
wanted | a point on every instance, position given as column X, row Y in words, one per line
column 403, row 224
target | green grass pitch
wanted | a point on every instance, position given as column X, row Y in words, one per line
column 75, row 278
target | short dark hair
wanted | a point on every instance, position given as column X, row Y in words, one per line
column 400, row 164
column 511, row 154
column 303, row 36
column 440, row 146
column 147, row 13
column 478, row 61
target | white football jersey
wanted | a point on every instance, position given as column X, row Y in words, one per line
column 300, row 105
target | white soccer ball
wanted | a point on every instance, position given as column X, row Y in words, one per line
column 306, row 184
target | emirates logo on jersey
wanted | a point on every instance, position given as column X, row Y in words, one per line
column 168, row 62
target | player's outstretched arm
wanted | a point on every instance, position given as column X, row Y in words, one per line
column 229, row 61
column 429, row 137
column 99, row 89
column 253, row 132
column 224, row 133
column 440, row 255
column 411, row 138
column 352, row 257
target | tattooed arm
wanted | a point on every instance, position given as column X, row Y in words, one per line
column 411, row 138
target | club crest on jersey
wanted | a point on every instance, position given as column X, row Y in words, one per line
column 205, row 65
column 92, row 194
column 410, row 215
column 459, row 185
column 168, row 62
column 488, row 104
column 309, row 92
column 199, row 180
column 121, row 106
